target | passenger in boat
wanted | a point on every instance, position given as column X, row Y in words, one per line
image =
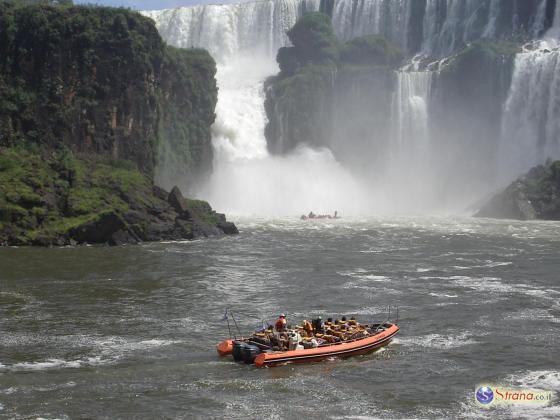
column 318, row 325
column 329, row 337
column 281, row 323
column 308, row 328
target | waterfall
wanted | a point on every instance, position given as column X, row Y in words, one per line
column 363, row 17
column 410, row 169
column 257, row 28
column 531, row 120
column 243, row 39
column 411, row 109
column 435, row 27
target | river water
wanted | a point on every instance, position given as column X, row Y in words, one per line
column 95, row 332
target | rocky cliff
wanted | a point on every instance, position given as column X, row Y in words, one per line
column 535, row 195
column 325, row 89
column 102, row 80
column 94, row 107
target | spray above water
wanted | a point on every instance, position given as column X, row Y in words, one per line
column 243, row 39
column 426, row 162
column 248, row 180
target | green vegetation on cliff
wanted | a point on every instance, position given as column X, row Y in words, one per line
column 535, row 195
column 56, row 198
column 314, row 43
column 102, row 80
column 91, row 99
column 371, row 50
column 310, row 94
column 186, row 112
column 43, row 197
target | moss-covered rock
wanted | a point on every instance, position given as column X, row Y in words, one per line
column 59, row 199
column 371, row 50
column 324, row 87
column 313, row 39
column 533, row 196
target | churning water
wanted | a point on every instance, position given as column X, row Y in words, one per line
column 97, row 332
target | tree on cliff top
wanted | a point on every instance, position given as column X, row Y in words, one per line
column 313, row 37
column 313, row 42
column 371, row 50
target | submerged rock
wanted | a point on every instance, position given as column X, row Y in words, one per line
column 536, row 195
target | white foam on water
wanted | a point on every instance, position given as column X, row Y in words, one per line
column 425, row 270
column 438, row 341
column 534, row 314
column 118, row 346
column 538, row 379
column 54, row 364
column 442, row 295
column 107, row 350
column 360, row 274
column 484, row 284
column 489, row 264
column 10, row 390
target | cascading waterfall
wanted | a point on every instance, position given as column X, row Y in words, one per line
column 362, row 17
column 244, row 38
column 531, row 121
column 411, row 110
column 435, row 27
column 255, row 28
column 410, row 169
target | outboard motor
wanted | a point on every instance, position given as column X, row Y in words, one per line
column 249, row 353
column 238, row 347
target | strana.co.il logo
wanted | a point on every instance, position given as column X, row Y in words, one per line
column 484, row 395
column 491, row 395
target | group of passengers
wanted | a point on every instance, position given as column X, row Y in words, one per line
column 311, row 334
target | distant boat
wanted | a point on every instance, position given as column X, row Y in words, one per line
column 270, row 348
column 313, row 216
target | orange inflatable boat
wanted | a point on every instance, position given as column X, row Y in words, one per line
column 268, row 348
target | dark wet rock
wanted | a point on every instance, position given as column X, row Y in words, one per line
column 179, row 203
column 123, row 237
column 202, row 229
column 533, row 196
column 186, row 228
column 159, row 230
column 228, row 228
column 160, row 193
column 98, row 231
